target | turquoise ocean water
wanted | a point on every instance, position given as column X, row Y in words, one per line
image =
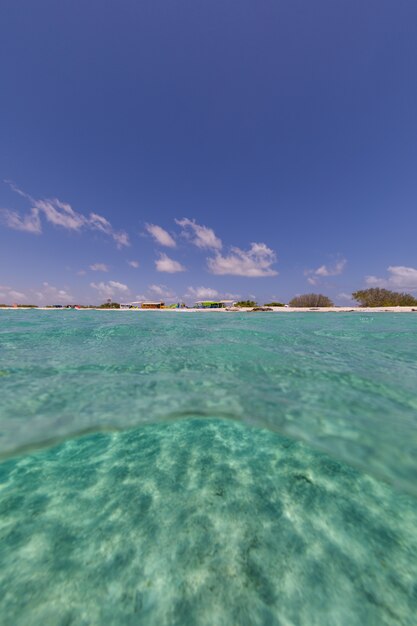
column 170, row 468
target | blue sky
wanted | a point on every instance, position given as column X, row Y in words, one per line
column 190, row 149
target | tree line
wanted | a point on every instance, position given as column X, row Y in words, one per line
column 373, row 297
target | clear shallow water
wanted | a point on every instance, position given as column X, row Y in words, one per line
column 343, row 383
column 208, row 521
column 202, row 522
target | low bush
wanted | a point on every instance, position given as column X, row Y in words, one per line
column 246, row 303
column 311, row 300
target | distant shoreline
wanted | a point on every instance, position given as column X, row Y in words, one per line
column 392, row 309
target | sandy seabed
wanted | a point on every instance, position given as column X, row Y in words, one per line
column 201, row 522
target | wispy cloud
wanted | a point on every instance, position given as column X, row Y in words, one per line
column 255, row 262
column 166, row 264
column 59, row 214
column 162, row 291
column 8, row 295
column 345, row 296
column 314, row 275
column 161, row 236
column 17, row 295
column 29, row 223
column 110, row 289
column 208, row 293
column 100, row 223
column 49, row 294
column 201, row 236
column 334, row 270
column 199, row 293
column 134, row 264
column 99, row 267
column 399, row 277
column 46, row 294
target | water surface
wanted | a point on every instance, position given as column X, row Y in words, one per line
column 344, row 383
column 239, row 469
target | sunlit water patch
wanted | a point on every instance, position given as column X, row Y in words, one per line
column 201, row 522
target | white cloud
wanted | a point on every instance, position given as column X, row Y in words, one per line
column 81, row 273
column 200, row 236
column 49, row 294
column 345, row 296
column 99, row 267
column 208, row 293
column 254, row 262
column 121, row 238
column 17, row 295
column 16, row 189
column 334, row 270
column 166, row 264
column 399, row 277
column 200, row 293
column 161, row 236
column 374, row 281
column 324, row 271
column 110, row 289
column 29, row 223
column 98, row 222
column 134, row 264
column 162, row 291
column 11, row 295
column 59, row 214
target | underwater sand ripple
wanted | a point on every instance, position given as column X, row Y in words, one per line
column 201, row 522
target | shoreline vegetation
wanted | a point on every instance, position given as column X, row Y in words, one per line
column 332, row 309
column 375, row 300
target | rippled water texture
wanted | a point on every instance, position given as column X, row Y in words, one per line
column 201, row 523
column 344, row 383
column 309, row 519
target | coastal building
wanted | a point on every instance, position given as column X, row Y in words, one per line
column 131, row 305
column 213, row 304
column 140, row 304
column 153, row 305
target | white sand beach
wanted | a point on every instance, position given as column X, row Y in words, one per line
column 334, row 309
